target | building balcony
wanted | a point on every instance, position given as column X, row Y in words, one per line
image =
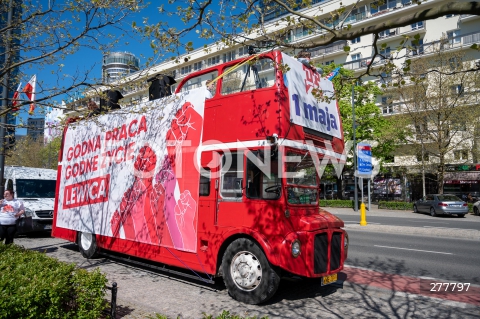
column 363, row 63
column 467, row 17
column 400, row 33
column 328, row 51
column 446, row 44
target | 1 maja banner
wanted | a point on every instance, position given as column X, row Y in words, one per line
column 306, row 109
column 124, row 174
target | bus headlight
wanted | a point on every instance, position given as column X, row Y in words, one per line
column 296, row 248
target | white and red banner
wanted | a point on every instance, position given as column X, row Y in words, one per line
column 15, row 98
column 133, row 173
column 305, row 108
column 29, row 90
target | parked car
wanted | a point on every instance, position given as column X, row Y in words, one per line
column 439, row 204
column 331, row 194
column 36, row 188
column 476, row 208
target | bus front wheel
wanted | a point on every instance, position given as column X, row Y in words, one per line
column 87, row 245
column 247, row 274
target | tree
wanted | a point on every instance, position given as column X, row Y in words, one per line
column 440, row 112
column 233, row 22
column 40, row 35
column 34, row 153
column 370, row 126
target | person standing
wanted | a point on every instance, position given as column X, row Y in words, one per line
column 304, row 57
column 210, row 89
column 93, row 109
column 10, row 210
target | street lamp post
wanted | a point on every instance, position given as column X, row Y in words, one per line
column 354, row 128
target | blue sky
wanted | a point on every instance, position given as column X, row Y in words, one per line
column 89, row 60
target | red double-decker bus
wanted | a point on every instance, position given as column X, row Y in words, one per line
column 223, row 182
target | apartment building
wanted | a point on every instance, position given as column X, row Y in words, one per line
column 452, row 32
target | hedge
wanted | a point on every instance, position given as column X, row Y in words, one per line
column 336, row 203
column 33, row 285
column 396, row 205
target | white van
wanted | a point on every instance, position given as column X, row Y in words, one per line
column 36, row 188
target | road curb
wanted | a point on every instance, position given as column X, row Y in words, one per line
column 420, row 231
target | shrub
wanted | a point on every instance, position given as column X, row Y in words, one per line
column 33, row 285
column 395, row 205
column 336, row 203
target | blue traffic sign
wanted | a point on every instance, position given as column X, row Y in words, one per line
column 364, row 159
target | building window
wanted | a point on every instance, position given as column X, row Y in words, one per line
column 457, row 89
column 229, row 56
column 417, row 25
column 453, row 36
column 197, row 66
column 356, row 40
column 426, row 158
column 386, row 53
column 328, row 62
column 356, row 56
column 383, row 5
column 185, row 70
column 460, row 155
column 242, row 51
column 417, row 47
column 213, row 60
column 387, row 105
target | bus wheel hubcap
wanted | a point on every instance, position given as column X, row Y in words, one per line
column 246, row 270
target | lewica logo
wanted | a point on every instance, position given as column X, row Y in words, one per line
column 91, row 191
column 318, row 115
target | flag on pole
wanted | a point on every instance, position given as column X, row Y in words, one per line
column 15, row 98
column 333, row 74
column 29, row 90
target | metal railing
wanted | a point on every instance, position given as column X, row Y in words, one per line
column 327, row 50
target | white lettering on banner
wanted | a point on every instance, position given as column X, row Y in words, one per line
column 305, row 109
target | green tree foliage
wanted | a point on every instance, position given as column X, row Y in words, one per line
column 371, row 125
column 439, row 112
column 34, row 153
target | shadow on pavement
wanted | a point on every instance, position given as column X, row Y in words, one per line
column 359, row 293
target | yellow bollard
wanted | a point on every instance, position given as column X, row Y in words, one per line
column 363, row 215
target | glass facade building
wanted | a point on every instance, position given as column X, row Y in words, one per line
column 116, row 65
column 14, row 10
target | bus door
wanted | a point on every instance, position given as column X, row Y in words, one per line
column 230, row 190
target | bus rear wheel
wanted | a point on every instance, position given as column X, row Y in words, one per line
column 247, row 274
column 87, row 244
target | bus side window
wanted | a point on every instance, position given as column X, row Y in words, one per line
column 204, row 189
column 243, row 78
column 199, row 81
column 232, row 177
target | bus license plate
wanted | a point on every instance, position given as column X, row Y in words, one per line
column 329, row 279
column 48, row 227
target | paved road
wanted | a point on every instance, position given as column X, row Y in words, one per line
column 407, row 222
column 362, row 293
column 455, row 259
column 410, row 219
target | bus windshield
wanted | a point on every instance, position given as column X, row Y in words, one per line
column 301, row 177
column 35, row 188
